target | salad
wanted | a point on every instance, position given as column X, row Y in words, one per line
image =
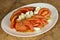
column 30, row 19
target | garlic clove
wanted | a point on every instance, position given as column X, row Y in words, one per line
column 22, row 16
column 37, row 10
column 36, row 29
column 31, row 13
column 27, row 15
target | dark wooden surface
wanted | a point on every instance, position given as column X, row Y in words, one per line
column 8, row 5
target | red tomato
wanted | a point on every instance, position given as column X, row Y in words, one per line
column 12, row 25
column 28, row 24
column 44, row 21
column 39, row 22
column 36, row 22
column 30, row 8
column 20, row 27
column 39, row 16
column 13, row 22
column 45, row 12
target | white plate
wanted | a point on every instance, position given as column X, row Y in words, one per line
column 5, row 24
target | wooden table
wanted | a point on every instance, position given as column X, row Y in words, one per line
column 8, row 5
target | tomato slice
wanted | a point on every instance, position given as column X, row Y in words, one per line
column 39, row 22
column 13, row 22
column 28, row 24
column 47, row 15
column 20, row 27
column 44, row 21
column 36, row 22
column 45, row 12
column 30, row 8
column 39, row 16
column 12, row 25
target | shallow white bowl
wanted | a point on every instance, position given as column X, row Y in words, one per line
column 5, row 24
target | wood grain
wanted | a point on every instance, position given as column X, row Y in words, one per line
column 8, row 5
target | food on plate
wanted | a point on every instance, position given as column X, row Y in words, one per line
column 30, row 19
